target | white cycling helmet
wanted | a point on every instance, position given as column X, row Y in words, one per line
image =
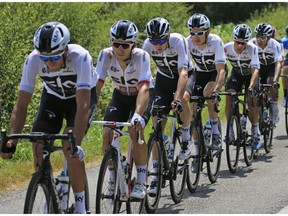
column 199, row 20
column 242, row 32
column 158, row 28
column 264, row 29
column 124, row 30
column 51, row 37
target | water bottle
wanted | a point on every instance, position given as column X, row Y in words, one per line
column 166, row 143
column 171, row 151
column 243, row 122
column 62, row 187
column 207, row 131
column 265, row 114
column 124, row 178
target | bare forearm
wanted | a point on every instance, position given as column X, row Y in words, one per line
column 181, row 85
column 80, row 125
column 277, row 71
column 220, row 77
column 17, row 120
column 142, row 100
column 254, row 78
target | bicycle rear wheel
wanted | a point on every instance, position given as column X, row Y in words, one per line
column 105, row 191
column 247, row 145
column 134, row 206
column 268, row 132
column 39, row 197
column 153, row 174
column 214, row 160
column 179, row 172
column 232, row 142
column 193, row 177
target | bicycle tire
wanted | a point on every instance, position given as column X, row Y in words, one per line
column 193, row 178
column 286, row 116
column 268, row 132
column 214, row 160
column 39, row 197
column 248, row 151
column 179, row 172
column 152, row 202
column 105, row 203
column 133, row 206
column 233, row 146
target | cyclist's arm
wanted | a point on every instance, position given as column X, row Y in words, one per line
column 82, row 114
column 277, row 71
column 254, row 78
column 220, row 77
column 182, row 81
column 142, row 98
column 19, row 112
column 99, row 87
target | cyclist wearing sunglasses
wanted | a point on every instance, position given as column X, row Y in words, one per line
column 270, row 57
column 69, row 92
column 170, row 53
column 129, row 69
column 243, row 56
column 208, row 54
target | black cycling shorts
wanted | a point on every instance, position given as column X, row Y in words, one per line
column 266, row 71
column 53, row 111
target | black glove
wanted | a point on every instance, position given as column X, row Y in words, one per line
column 276, row 85
column 216, row 95
column 5, row 149
column 251, row 90
column 176, row 104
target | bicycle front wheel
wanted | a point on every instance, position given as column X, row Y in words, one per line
column 247, row 145
column 193, row 175
column 39, row 197
column 268, row 132
column 154, row 176
column 214, row 160
column 179, row 172
column 105, row 191
column 232, row 142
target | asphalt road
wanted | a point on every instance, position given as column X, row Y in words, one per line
column 258, row 189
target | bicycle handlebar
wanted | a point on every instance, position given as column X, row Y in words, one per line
column 197, row 98
column 40, row 136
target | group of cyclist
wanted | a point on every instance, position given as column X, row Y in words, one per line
column 72, row 85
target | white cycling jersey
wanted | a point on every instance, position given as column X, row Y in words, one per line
column 271, row 53
column 243, row 62
column 137, row 71
column 211, row 55
column 78, row 73
column 174, row 57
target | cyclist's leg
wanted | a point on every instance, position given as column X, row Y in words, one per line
column 285, row 80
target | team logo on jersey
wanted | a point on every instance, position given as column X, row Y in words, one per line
column 50, row 114
column 114, row 69
column 112, row 108
column 157, row 98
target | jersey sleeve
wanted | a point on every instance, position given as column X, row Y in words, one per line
column 278, row 52
column 183, row 52
column 255, row 58
column 103, row 64
column 84, row 69
column 29, row 73
column 145, row 73
column 219, row 52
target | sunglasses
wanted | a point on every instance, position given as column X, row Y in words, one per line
column 261, row 37
column 123, row 45
column 158, row 41
column 52, row 58
column 199, row 34
column 240, row 42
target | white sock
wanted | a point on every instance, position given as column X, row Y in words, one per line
column 196, row 147
column 255, row 129
column 155, row 170
column 186, row 133
column 215, row 128
column 80, row 202
column 141, row 174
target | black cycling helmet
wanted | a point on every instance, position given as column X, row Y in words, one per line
column 242, row 32
column 158, row 28
column 198, row 20
column 264, row 29
column 124, row 30
column 51, row 37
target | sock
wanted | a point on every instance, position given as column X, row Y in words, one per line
column 155, row 170
column 141, row 174
column 255, row 129
column 186, row 133
column 215, row 129
column 80, row 202
column 196, row 147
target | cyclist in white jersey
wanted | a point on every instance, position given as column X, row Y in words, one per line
column 129, row 70
column 170, row 53
column 285, row 67
column 208, row 54
column 270, row 57
column 243, row 56
column 69, row 92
